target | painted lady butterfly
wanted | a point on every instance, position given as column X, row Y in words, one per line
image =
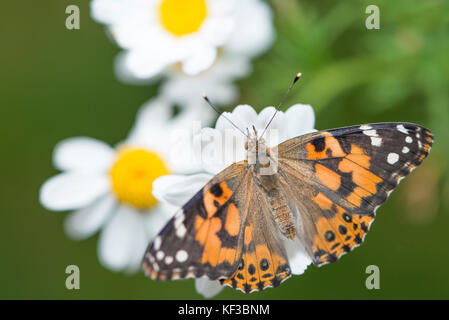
column 325, row 192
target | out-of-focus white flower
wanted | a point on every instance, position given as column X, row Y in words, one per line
column 178, row 189
column 216, row 82
column 110, row 188
column 157, row 34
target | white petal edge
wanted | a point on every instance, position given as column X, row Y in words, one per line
column 208, row 288
column 137, row 252
column 200, row 61
column 217, row 149
column 120, row 238
column 178, row 189
column 83, row 153
column 68, row 191
column 150, row 120
column 297, row 256
column 243, row 116
column 254, row 32
column 83, row 223
column 155, row 219
column 300, row 120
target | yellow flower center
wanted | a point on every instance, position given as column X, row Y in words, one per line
column 132, row 176
column 181, row 17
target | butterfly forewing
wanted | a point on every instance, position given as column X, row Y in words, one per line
column 345, row 175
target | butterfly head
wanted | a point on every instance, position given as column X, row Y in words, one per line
column 257, row 152
column 253, row 142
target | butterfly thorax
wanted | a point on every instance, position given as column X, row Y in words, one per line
column 264, row 167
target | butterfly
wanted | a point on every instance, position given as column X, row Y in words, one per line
column 321, row 188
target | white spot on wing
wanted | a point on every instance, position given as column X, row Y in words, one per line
column 181, row 255
column 408, row 139
column 405, row 150
column 160, row 255
column 401, row 128
column 181, row 230
column 179, row 219
column 157, row 243
column 392, row 158
column 376, row 141
column 370, row 133
column 365, row 127
column 168, row 260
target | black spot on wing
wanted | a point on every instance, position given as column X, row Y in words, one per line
column 216, row 190
column 319, row 144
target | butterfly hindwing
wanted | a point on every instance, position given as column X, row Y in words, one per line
column 264, row 262
column 204, row 237
column 340, row 177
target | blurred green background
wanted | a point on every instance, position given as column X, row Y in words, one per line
column 58, row 83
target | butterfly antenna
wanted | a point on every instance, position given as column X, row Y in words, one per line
column 222, row 114
column 278, row 108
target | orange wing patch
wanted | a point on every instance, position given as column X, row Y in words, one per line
column 258, row 270
column 232, row 225
column 206, row 234
column 355, row 162
column 339, row 235
column 365, row 180
column 324, row 147
column 329, row 178
column 206, row 229
column 215, row 197
column 322, row 201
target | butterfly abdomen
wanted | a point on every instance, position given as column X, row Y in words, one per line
column 281, row 212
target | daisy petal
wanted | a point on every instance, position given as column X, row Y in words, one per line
column 83, row 153
column 178, row 189
column 157, row 218
column 85, row 222
column 243, row 116
column 300, row 120
column 217, row 149
column 254, row 31
column 150, row 120
column 140, row 243
column 119, row 238
column 217, row 82
column 200, row 61
column 125, row 75
column 141, row 64
column 68, row 191
column 297, row 256
column 208, row 288
column 265, row 116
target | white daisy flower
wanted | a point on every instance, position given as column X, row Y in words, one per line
column 217, row 82
column 109, row 188
column 176, row 190
column 157, row 34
